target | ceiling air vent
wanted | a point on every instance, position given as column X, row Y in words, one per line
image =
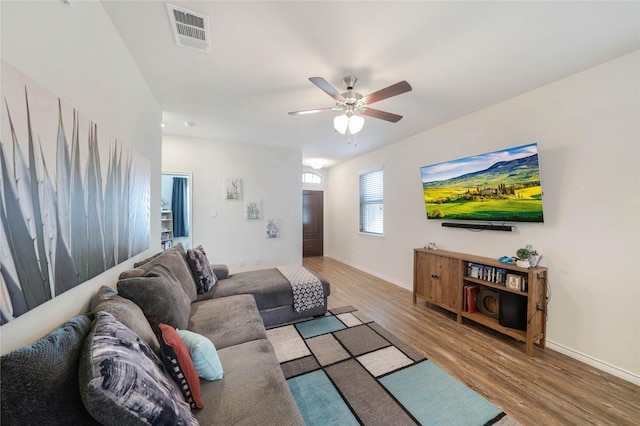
column 190, row 29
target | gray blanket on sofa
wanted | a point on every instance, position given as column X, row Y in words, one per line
column 306, row 287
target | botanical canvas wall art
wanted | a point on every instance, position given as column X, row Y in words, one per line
column 233, row 189
column 253, row 210
column 273, row 228
column 74, row 200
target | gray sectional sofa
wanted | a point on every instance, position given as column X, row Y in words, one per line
column 85, row 370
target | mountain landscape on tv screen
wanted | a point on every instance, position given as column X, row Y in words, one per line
column 505, row 191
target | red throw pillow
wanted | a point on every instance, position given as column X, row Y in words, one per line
column 176, row 358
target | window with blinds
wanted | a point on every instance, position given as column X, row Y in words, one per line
column 372, row 202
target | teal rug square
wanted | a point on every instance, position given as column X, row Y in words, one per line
column 434, row 397
column 319, row 326
column 319, row 401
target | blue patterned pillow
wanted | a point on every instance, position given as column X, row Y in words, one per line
column 122, row 381
column 201, row 268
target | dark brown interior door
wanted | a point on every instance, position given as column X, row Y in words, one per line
column 312, row 219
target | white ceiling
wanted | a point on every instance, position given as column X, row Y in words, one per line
column 458, row 56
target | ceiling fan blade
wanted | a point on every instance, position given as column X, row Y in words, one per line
column 387, row 92
column 311, row 111
column 327, row 88
column 382, row 115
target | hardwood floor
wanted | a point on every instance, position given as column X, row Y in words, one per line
column 546, row 389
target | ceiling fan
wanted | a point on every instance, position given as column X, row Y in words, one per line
column 355, row 105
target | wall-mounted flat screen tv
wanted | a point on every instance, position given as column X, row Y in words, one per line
column 500, row 186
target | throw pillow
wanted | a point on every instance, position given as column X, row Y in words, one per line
column 160, row 296
column 201, row 268
column 123, row 382
column 40, row 381
column 203, row 354
column 125, row 311
column 176, row 358
column 175, row 259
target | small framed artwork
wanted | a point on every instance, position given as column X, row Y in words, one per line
column 514, row 281
column 233, row 189
column 273, row 228
column 253, row 210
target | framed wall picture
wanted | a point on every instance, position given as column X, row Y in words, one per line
column 233, row 189
column 253, row 210
column 273, row 228
column 514, row 281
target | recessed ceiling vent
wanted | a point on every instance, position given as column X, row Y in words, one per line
column 190, row 29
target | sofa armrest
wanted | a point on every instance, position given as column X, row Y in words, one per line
column 221, row 271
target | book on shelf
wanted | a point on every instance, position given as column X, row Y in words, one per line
column 475, row 270
column 487, row 273
column 470, row 293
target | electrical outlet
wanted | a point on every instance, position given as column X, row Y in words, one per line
column 258, row 261
column 241, row 262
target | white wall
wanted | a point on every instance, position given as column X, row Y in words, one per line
column 588, row 131
column 75, row 53
column 272, row 175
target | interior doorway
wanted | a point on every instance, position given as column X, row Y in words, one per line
column 176, row 198
column 312, row 223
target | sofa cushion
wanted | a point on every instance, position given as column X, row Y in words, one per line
column 219, row 320
column 125, row 311
column 201, row 269
column 253, row 385
column 175, row 259
column 177, row 360
column 40, row 381
column 122, row 381
column 160, row 296
column 203, row 354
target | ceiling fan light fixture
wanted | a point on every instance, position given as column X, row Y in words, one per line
column 340, row 123
column 348, row 121
column 354, row 104
column 355, row 124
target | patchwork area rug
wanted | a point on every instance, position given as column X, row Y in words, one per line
column 344, row 369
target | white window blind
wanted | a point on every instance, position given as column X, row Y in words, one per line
column 372, row 202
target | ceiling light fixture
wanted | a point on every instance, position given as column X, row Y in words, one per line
column 349, row 123
column 355, row 105
column 316, row 164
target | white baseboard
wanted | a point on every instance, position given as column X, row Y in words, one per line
column 596, row 363
column 374, row 273
column 589, row 360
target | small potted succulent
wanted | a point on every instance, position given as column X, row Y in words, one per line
column 523, row 255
